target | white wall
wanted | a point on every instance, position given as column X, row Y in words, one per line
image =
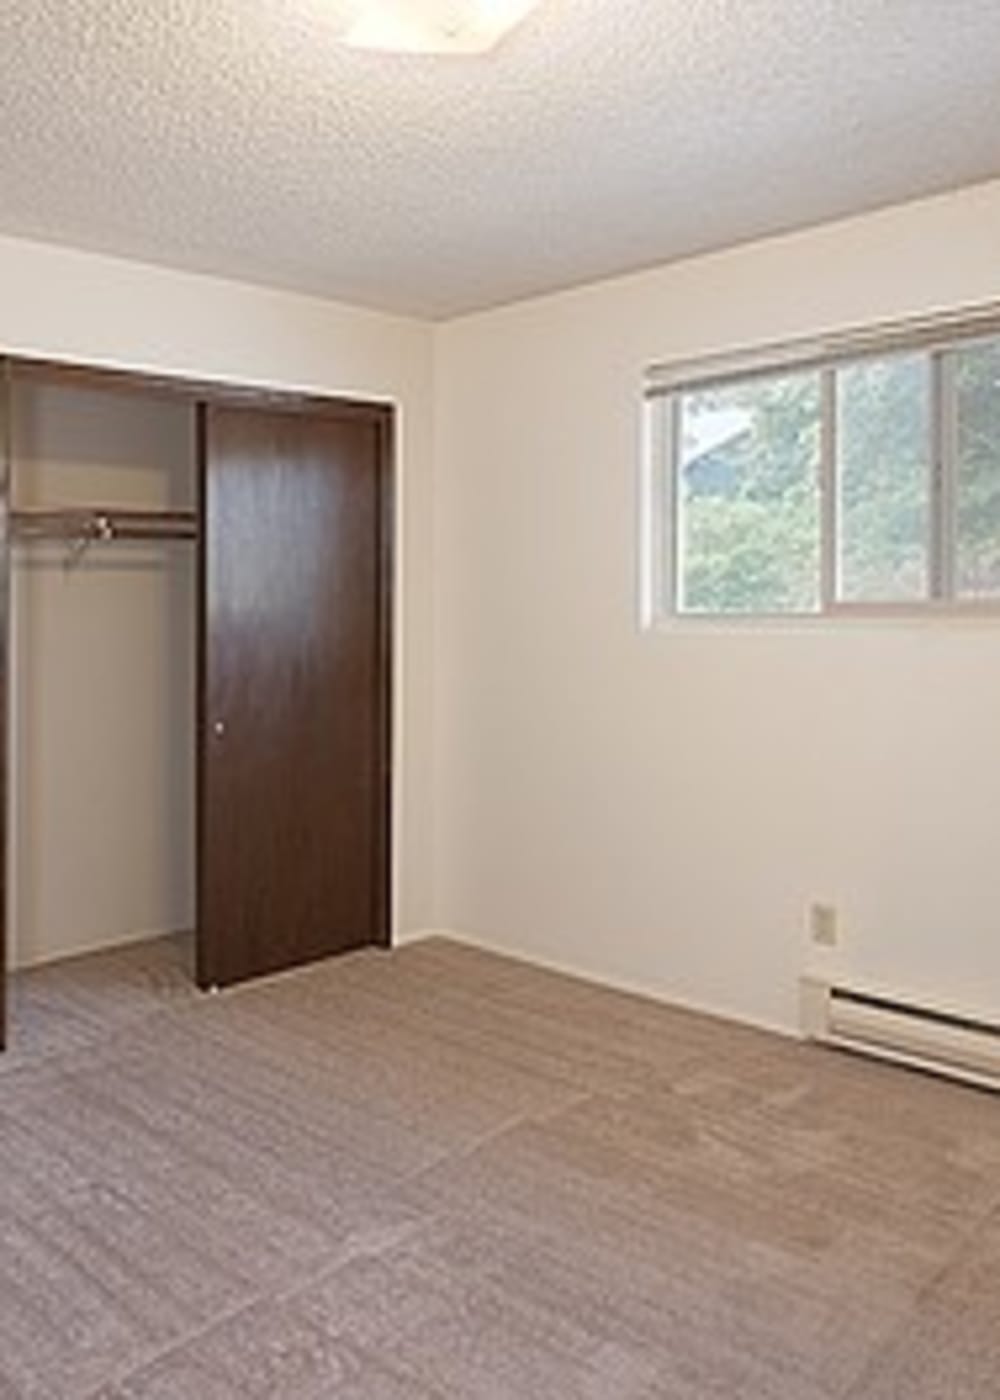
column 656, row 810
column 60, row 304
column 659, row 810
column 103, row 712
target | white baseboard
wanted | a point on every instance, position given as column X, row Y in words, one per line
column 419, row 935
column 650, row 991
column 45, row 958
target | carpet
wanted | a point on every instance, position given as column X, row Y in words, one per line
column 441, row 1173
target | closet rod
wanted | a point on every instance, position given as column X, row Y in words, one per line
column 95, row 524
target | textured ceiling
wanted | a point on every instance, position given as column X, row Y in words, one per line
column 236, row 136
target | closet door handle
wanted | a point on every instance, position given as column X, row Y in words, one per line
column 219, row 728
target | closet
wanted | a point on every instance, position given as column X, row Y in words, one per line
column 195, row 668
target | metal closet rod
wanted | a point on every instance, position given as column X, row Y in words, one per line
column 103, row 524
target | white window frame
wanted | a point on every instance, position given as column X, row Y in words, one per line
column 660, row 563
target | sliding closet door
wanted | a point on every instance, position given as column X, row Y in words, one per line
column 294, row 771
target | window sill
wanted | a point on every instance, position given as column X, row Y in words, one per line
column 845, row 618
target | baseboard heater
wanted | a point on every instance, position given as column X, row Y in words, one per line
column 908, row 1031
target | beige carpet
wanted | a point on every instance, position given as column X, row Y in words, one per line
column 443, row 1174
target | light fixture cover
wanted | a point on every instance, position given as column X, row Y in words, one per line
column 433, row 26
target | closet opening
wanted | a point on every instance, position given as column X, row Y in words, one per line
column 197, row 674
column 103, row 642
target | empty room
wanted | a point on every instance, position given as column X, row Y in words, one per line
column 500, row 666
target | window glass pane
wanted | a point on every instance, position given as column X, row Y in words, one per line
column 748, row 497
column 977, row 415
column 884, row 474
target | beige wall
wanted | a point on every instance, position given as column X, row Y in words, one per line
column 102, row 843
column 657, row 810
column 660, row 809
column 62, row 304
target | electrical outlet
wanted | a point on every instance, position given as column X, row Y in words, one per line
column 824, row 924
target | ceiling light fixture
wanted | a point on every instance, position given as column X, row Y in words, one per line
column 432, row 26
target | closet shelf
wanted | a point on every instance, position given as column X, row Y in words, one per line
column 86, row 525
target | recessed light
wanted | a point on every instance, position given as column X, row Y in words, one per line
column 433, row 26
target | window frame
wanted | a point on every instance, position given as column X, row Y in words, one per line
column 940, row 338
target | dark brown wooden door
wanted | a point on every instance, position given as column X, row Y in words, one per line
column 294, row 772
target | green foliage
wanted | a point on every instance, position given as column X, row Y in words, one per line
column 977, row 389
column 750, row 519
column 884, row 460
column 751, row 536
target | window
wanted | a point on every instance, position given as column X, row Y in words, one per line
column 884, row 469
column 748, row 527
column 858, row 476
column 975, row 393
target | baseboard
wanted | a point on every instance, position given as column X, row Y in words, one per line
column 665, row 996
column 420, row 935
column 58, row 955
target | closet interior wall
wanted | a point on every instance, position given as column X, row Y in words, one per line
column 101, row 802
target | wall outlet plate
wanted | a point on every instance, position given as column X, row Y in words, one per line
column 824, row 925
